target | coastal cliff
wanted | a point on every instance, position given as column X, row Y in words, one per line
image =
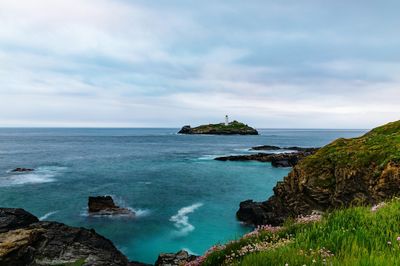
column 233, row 128
column 358, row 171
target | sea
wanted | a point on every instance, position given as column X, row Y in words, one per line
column 182, row 197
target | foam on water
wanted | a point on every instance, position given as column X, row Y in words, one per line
column 43, row 174
column 181, row 219
column 47, row 215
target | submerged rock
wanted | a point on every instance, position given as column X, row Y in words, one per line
column 104, row 205
column 233, row 128
column 358, row 171
column 29, row 242
column 175, row 259
column 21, row 170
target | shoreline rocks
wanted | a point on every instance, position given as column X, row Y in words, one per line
column 275, row 148
column 277, row 160
column 26, row 241
column 104, row 205
column 175, row 259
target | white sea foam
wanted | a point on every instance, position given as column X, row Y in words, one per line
column 47, row 215
column 181, row 219
column 190, row 252
column 207, row 157
column 43, row 174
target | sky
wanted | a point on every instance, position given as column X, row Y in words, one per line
column 168, row 63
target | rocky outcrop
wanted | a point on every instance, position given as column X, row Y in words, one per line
column 233, row 128
column 104, row 205
column 11, row 219
column 25, row 241
column 175, row 259
column 22, row 170
column 275, row 148
column 359, row 171
column 277, row 160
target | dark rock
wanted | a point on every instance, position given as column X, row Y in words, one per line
column 104, row 205
column 185, row 130
column 277, row 160
column 274, row 148
column 266, row 148
column 22, row 170
column 52, row 243
column 170, row 259
column 11, row 219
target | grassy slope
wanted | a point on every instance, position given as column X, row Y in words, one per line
column 355, row 236
column 377, row 147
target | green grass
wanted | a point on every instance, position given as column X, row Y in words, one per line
column 355, row 236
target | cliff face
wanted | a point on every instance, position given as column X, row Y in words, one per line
column 358, row 171
column 233, row 128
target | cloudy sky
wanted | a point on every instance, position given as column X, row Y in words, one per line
column 165, row 63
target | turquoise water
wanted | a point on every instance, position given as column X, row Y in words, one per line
column 183, row 198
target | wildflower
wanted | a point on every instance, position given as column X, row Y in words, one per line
column 398, row 238
column 377, row 207
column 389, row 242
column 286, row 264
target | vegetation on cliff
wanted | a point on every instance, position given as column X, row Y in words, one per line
column 358, row 171
column 233, row 128
column 353, row 236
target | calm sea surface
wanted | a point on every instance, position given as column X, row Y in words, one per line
column 183, row 198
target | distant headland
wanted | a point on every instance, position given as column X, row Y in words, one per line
column 227, row 128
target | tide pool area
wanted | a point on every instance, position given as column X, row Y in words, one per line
column 183, row 199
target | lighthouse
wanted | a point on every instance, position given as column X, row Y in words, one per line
column 226, row 120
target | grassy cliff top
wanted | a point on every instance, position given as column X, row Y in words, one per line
column 374, row 149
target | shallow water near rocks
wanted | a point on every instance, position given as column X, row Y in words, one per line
column 183, row 199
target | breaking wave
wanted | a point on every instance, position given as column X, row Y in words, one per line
column 181, row 219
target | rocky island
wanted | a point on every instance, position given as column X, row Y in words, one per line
column 232, row 128
column 347, row 172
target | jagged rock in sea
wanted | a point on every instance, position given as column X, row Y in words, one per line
column 104, row 205
column 358, row 171
column 233, row 128
column 22, row 170
column 175, row 259
column 277, row 160
column 26, row 241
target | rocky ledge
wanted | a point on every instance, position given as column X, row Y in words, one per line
column 277, row 160
column 104, row 205
column 275, row 148
column 358, row 171
column 24, row 240
column 233, row 128
column 175, row 259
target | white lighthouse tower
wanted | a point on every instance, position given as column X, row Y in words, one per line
column 226, row 120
